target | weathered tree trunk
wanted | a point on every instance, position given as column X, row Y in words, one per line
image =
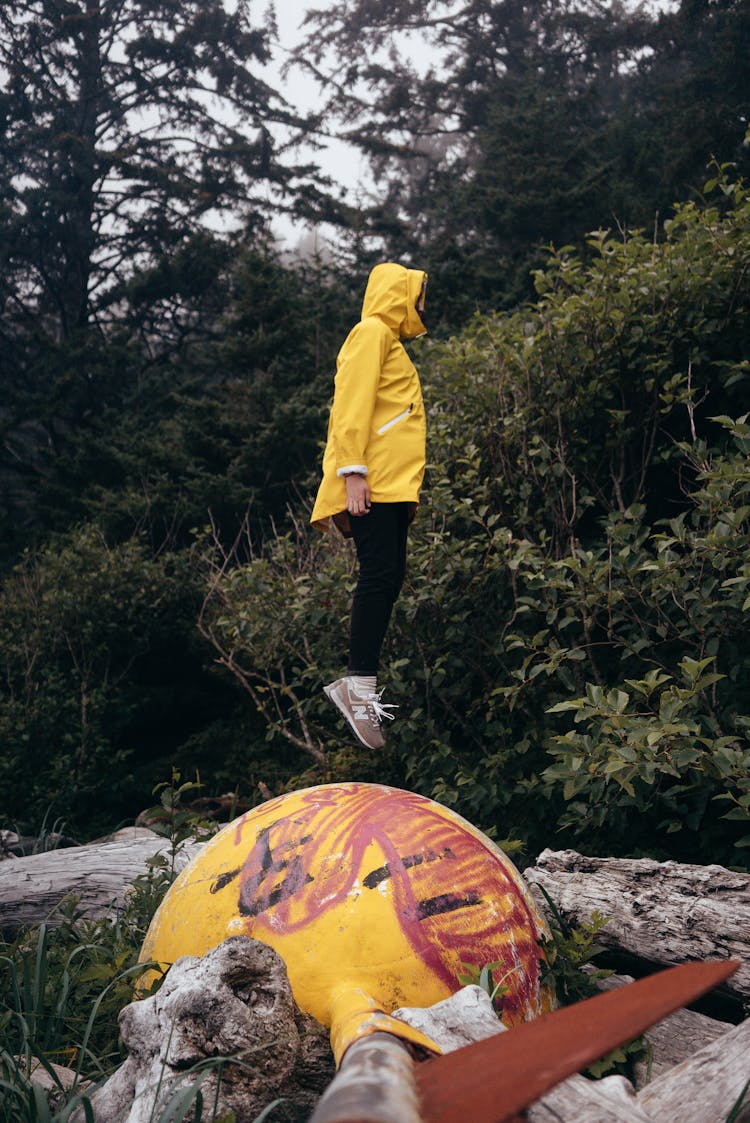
column 671, row 1041
column 32, row 889
column 663, row 912
column 578, row 1100
column 707, row 1086
column 226, row 1025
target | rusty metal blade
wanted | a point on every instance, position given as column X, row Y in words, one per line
column 493, row 1080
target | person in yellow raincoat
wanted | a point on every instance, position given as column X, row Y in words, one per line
column 373, row 468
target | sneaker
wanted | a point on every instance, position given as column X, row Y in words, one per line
column 364, row 712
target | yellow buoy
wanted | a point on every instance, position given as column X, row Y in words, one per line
column 374, row 897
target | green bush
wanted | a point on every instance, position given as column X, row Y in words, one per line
column 94, row 642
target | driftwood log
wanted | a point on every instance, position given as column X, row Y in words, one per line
column 98, row 875
column 671, row 1041
column 660, row 912
column 234, row 1005
column 703, row 1089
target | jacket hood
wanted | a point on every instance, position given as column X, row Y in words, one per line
column 391, row 295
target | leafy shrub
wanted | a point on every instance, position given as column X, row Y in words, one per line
column 93, row 640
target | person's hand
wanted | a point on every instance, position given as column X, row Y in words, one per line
column 357, row 495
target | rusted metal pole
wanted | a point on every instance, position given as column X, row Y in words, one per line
column 375, row 1084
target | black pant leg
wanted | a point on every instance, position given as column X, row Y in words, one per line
column 380, row 538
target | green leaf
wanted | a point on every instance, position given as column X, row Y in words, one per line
column 562, row 707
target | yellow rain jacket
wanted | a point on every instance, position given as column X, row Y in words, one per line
column 377, row 421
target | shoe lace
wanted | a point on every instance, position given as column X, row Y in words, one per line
column 380, row 709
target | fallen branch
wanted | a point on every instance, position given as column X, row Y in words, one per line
column 33, row 889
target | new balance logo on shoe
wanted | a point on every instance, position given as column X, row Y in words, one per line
column 364, row 714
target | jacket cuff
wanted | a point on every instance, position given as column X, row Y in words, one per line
column 352, row 470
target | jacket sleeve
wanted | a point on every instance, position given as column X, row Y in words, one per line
column 360, row 363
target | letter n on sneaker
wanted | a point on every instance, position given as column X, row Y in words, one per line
column 364, row 712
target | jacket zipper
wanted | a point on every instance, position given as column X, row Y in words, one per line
column 394, row 421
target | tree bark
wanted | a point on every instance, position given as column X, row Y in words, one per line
column 227, row 1021
column 663, row 912
column 676, row 1039
column 97, row 876
column 707, row 1086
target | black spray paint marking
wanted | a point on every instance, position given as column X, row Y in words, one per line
column 446, row 902
column 281, row 892
column 267, row 864
column 224, row 879
column 374, row 878
column 250, row 902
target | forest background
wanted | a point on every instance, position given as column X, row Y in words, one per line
column 569, row 652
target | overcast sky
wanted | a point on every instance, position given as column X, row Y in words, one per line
column 336, row 160
column 339, row 161
column 289, row 15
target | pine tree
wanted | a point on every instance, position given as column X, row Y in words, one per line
column 538, row 122
column 127, row 125
column 131, row 133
